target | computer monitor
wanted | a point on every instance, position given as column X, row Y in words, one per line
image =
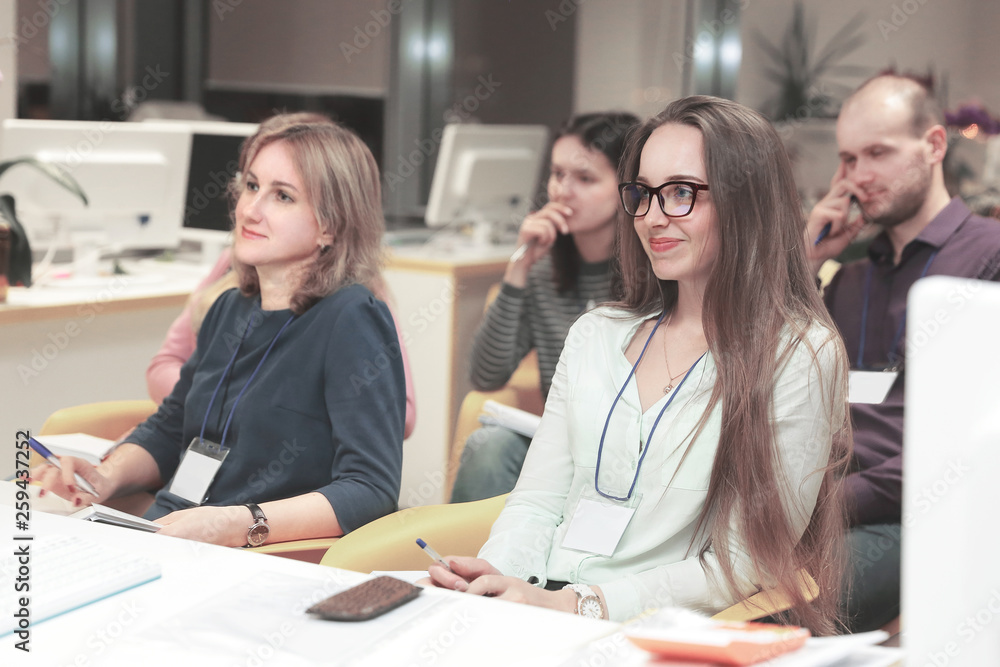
column 132, row 173
column 214, row 161
column 951, row 463
column 486, row 175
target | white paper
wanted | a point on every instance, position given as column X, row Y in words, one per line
column 869, row 386
column 262, row 621
column 519, row 421
column 102, row 513
column 597, row 527
column 194, row 476
column 87, row 447
column 410, row 576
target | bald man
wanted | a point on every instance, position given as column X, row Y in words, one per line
column 892, row 143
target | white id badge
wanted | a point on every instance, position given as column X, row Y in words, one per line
column 197, row 470
column 597, row 527
column 869, row 386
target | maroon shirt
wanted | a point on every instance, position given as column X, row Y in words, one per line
column 967, row 246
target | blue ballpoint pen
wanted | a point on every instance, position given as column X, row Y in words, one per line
column 435, row 556
column 828, row 226
column 44, row 452
column 822, row 234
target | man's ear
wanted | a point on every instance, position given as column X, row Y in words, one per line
column 937, row 141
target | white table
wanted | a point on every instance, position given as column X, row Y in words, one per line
column 221, row 606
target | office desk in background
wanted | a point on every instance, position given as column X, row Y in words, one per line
column 439, row 299
column 56, row 339
column 220, row 606
column 86, row 341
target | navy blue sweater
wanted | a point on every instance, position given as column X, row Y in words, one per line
column 324, row 413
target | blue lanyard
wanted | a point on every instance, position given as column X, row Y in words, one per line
column 642, row 457
column 225, row 371
column 864, row 317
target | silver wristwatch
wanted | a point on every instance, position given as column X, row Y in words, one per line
column 588, row 604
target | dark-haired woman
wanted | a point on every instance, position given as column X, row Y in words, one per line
column 689, row 448
column 566, row 271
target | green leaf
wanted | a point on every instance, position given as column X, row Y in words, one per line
column 845, row 33
column 769, row 49
column 796, row 67
column 56, row 172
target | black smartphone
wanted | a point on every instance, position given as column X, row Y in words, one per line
column 367, row 600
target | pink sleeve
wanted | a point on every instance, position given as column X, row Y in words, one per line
column 165, row 367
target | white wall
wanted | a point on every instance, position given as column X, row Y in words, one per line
column 628, row 50
column 625, row 47
column 32, row 29
column 322, row 46
column 956, row 40
column 627, row 53
column 8, row 61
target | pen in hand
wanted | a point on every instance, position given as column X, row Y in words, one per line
column 521, row 251
column 822, row 235
column 44, row 452
column 435, row 556
column 829, row 225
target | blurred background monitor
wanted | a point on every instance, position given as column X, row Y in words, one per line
column 487, row 175
column 214, row 161
column 133, row 174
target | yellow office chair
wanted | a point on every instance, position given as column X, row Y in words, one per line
column 389, row 543
column 461, row 529
column 109, row 419
column 523, row 391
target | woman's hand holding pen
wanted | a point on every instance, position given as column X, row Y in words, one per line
column 829, row 229
column 477, row 576
column 127, row 468
column 464, row 570
column 61, row 481
column 537, row 234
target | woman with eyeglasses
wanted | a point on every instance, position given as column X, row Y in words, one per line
column 566, row 268
column 688, row 451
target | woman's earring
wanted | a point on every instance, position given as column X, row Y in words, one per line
column 323, row 249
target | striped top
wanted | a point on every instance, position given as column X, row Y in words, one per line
column 535, row 316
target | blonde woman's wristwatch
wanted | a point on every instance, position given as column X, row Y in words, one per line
column 588, row 603
column 258, row 533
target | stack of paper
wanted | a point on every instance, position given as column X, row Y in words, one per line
column 102, row 514
column 519, row 421
column 80, row 445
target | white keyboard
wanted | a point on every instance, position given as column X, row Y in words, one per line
column 67, row 572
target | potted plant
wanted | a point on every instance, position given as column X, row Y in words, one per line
column 804, row 89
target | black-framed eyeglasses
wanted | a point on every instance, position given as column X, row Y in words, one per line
column 676, row 197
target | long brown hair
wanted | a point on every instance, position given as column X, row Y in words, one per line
column 759, row 291
column 342, row 183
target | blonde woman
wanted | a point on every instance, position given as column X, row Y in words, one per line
column 279, row 385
